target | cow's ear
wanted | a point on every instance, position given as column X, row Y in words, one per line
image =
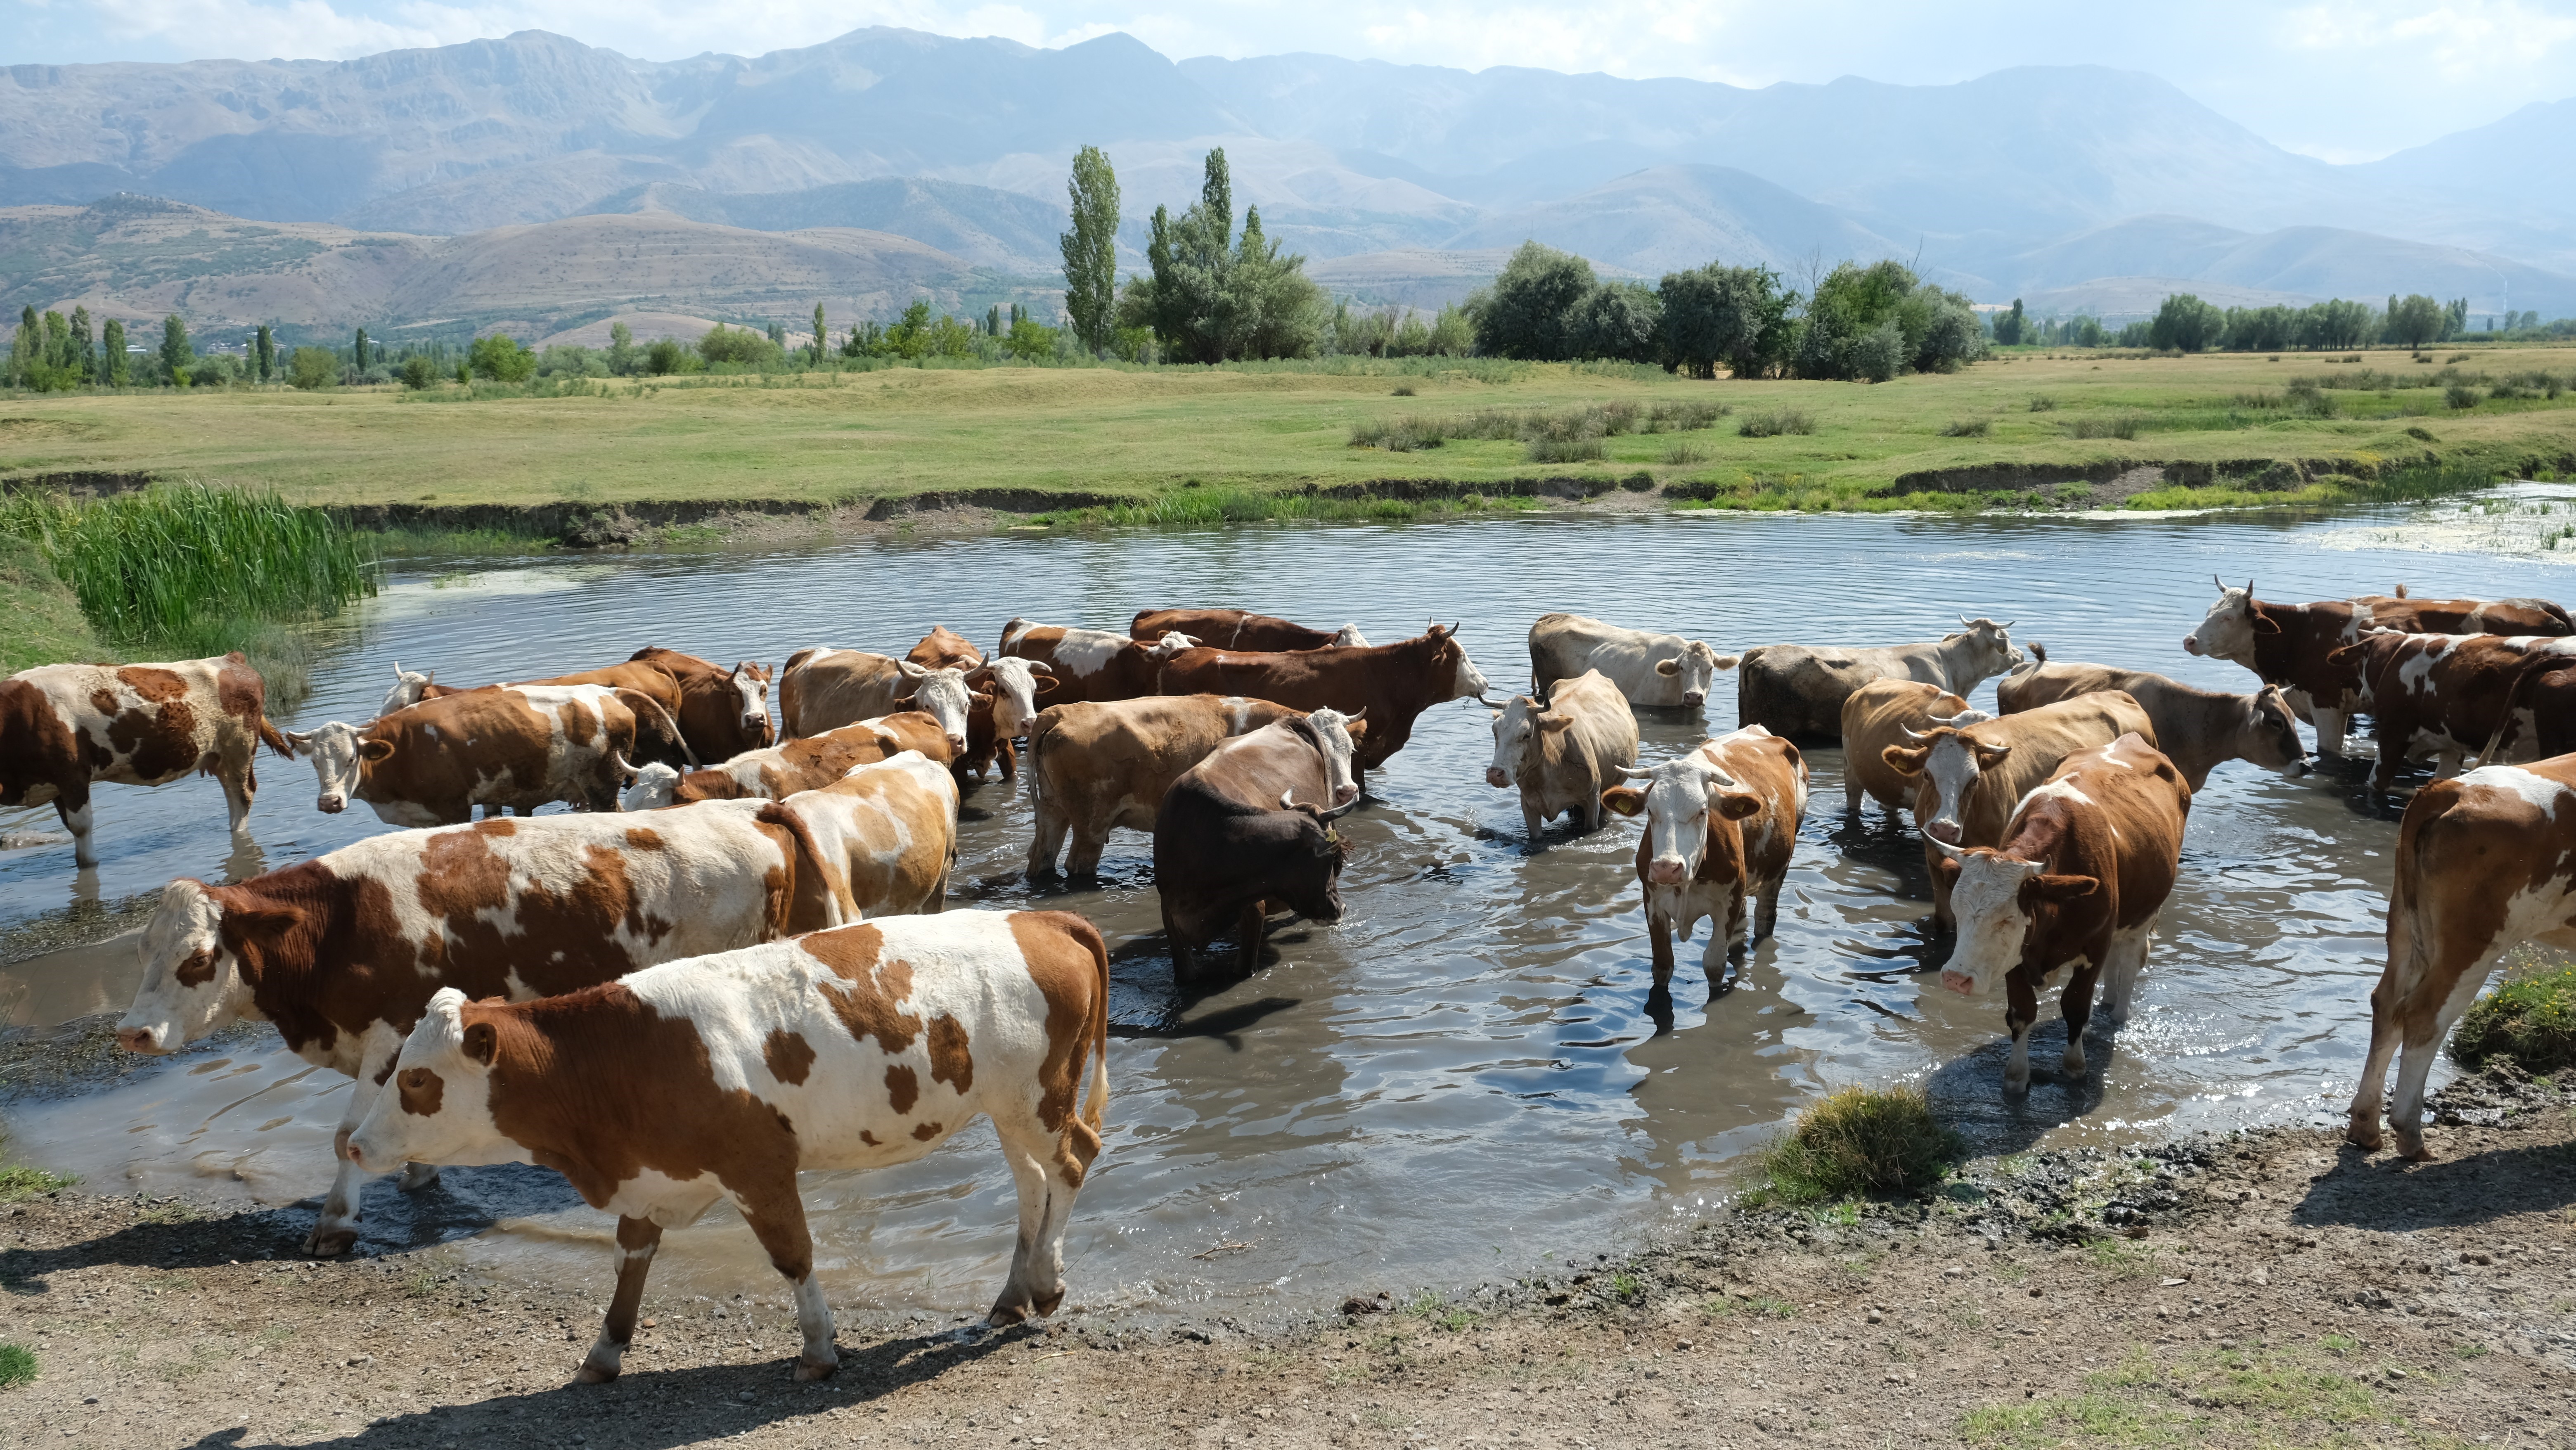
column 2062, row 888
column 2263, row 623
column 1555, row 722
column 1041, row 684
column 1357, row 729
column 482, row 1042
column 1736, row 806
column 1623, row 800
column 1990, row 756
column 256, row 921
column 1906, row 760
column 1668, row 668
column 1947, row 868
column 375, row 749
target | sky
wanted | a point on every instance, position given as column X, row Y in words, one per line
column 2345, row 80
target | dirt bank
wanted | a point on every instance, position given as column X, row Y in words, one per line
column 2272, row 1288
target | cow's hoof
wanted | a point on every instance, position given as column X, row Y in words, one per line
column 2015, row 1087
column 1005, row 1315
column 1048, row 1303
column 808, row 1370
column 2363, row 1135
column 2410, row 1146
column 592, row 1372
column 331, row 1242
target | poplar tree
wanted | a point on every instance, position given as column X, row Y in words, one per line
column 817, row 348
column 112, row 344
column 175, row 352
column 267, row 353
column 85, row 352
column 1091, row 249
column 361, row 350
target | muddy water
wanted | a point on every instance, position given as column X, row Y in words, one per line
column 1462, row 1075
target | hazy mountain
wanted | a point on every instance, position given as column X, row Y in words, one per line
column 2293, row 263
column 1002, row 230
column 1672, row 217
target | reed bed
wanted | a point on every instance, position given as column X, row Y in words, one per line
column 1552, row 435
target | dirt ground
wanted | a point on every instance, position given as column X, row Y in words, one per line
column 2272, row 1288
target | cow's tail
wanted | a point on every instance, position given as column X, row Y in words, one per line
column 647, row 709
column 269, row 736
column 1095, row 1106
column 1039, row 729
column 815, row 900
column 2524, row 678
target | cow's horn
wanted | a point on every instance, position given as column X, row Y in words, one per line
column 1910, row 733
column 2221, row 583
column 1288, row 800
column 397, row 671
column 1039, row 666
column 1630, row 772
column 1953, row 852
column 625, row 772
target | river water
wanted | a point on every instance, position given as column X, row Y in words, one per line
column 1461, row 1076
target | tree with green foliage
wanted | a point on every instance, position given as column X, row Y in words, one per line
column 111, row 349
column 1524, row 311
column 623, row 359
column 2184, row 323
column 665, row 356
column 1029, row 340
column 1210, row 297
column 23, row 348
column 312, row 368
column 417, row 372
column 814, row 351
column 84, row 349
column 2009, row 325
column 176, row 354
column 2455, row 318
column 1091, row 249
column 1872, row 323
column 1617, row 321
column 1732, row 317
column 264, row 350
column 498, row 357
column 358, row 354
column 2415, row 321
column 740, row 346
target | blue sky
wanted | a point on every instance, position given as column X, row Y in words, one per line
column 2345, row 79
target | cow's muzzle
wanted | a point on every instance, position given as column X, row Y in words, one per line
column 1693, row 699
column 2297, row 768
column 1495, row 777
column 1945, row 832
column 1667, row 871
column 2191, row 644
column 145, row 1040
column 957, row 745
column 332, row 805
column 1345, row 794
column 1959, row 982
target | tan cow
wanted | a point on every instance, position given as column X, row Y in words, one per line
column 1892, row 712
column 64, row 728
column 1721, row 822
column 1003, row 708
column 1797, row 690
column 648, row 688
column 1565, row 753
column 2485, row 861
column 780, row 771
column 343, row 951
column 2196, row 729
column 1097, row 765
column 512, row 747
column 823, row 689
column 889, row 830
column 721, row 1078
column 1968, row 779
column 1664, row 671
column 2073, row 885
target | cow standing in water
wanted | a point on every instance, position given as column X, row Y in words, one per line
column 1245, row 828
column 1721, row 823
column 1797, row 691
column 1563, row 754
column 1659, row 671
column 1391, row 683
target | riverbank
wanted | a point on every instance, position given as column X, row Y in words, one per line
column 2273, row 1287
column 1186, row 445
column 40, row 619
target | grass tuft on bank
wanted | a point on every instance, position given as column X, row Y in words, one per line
column 1860, row 1142
column 40, row 618
column 2530, row 1018
column 17, row 1366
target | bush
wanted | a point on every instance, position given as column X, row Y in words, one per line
column 2531, row 1019
column 2043, row 403
column 418, row 373
column 1735, row 317
column 501, row 358
column 1968, row 428
column 1683, row 453
column 2461, row 395
column 740, row 345
column 2118, row 425
column 312, row 367
column 1526, row 311
column 17, row 1366
column 1397, row 435
column 1776, row 422
column 1861, row 1141
column 1567, row 450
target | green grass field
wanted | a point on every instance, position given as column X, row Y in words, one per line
column 1139, row 434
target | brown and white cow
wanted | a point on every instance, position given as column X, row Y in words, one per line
column 1969, row 778
column 1246, row 828
column 1098, row 765
column 1660, row 671
column 1563, row 754
column 823, row 689
column 512, row 747
column 1797, row 691
column 1392, row 684
column 649, row 691
column 2485, row 861
column 343, row 951
column 2196, row 729
column 1892, row 712
column 2451, row 695
column 780, row 771
column 2074, row 885
column 722, row 712
column 722, row 1077
column 890, row 832
column 64, row 728
column 1238, row 629
column 1092, row 664
column 2291, row 645
column 1001, row 711
column 1721, row 823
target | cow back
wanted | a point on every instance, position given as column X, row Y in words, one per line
column 825, row 689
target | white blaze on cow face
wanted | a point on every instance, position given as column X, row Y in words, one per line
column 1014, row 684
column 1350, row 637
column 1993, row 921
column 755, row 697
column 653, row 789
column 943, row 695
column 1470, row 682
column 1679, row 794
column 1339, row 753
column 437, row 1105
column 191, row 983
column 1954, row 764
column 1516, row 728
column 336, row 750
column 2227, row 632
column 410, row 687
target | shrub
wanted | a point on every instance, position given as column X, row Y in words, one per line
column 2118, row 425
column 2043, row 403
column 501, row 358
column 1968, row 428
column 1397, row 435
column 1684, row 453
column 1776, row 422
column 664, row 357
column 312, row 367
column 1861, row 1141
column 1567, row 450
column 1404, row 390
column 2531, row 1019
column 2460, row 395
column 1527, row 310
column 418, row 373
column 1684, row 417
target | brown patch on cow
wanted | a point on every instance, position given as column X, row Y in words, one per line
column 103, row 700
column 789, row 1055
column 950, row 1062
column 497, row 826
column 420, row 1092
column 158, row 744
column 1070, row 964
column 815, row 895
column 198, row 969
column 926, row 1132
column 869, row 1138
column 870, row 1002
column 239, row 691
column 643, row 838
column 156, row 686
column 903, row 1089
column 580, row 727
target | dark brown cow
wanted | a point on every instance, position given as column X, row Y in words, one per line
column 64, row 728
column 343, row 951
column 809, row 763
column 1391, row 683
column 720, row 1078
column 1003, row 707
column 1245, row 828
column 2291, row 645
column 2449, row 695
column 1237, row 629
column 2483, row 863
column 1091, row 664
column 1103, row 764
column 2075, row 886
column 722, row 712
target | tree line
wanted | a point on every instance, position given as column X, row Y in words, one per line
column 2184, row 322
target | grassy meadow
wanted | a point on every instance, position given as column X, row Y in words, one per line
column 1139, row 436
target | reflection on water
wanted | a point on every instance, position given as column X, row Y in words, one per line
column 1463, row 1073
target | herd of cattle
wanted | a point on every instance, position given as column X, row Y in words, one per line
column 733, row 964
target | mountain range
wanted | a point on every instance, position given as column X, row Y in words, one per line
column 941, row 162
